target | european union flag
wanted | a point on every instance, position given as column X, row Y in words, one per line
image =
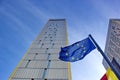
column 76, row 51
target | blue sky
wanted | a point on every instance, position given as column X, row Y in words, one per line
column 22, row 20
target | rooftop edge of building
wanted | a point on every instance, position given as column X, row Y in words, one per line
column 113, row 19
column 57, row 19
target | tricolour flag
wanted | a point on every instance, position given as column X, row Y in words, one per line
column 76, row 51
column 109, row 75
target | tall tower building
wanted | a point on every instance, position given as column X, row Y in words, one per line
column 112, row 48
column 41, row 62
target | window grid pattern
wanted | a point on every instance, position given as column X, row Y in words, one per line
column 41, row 61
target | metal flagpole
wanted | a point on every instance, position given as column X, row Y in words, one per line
column 105, row 57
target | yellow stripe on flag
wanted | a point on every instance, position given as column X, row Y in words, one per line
column 110, row 75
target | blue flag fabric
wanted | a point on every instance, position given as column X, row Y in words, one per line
column 76, row 51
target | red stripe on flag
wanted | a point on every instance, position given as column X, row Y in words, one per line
column 104, row 77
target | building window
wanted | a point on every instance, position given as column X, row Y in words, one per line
column 39, row 41
column 116, row 64
column 45, row 37
column 27, row 63
column 46, row 50
column 55, row 34
column 36, row 53
column 53, row 44
column 42, row 45
column 32, row 78
column 49, row 34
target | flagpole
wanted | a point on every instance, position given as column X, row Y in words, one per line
column 105, row 57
